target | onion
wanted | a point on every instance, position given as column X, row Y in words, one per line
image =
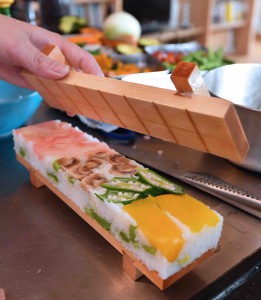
column 122, row 26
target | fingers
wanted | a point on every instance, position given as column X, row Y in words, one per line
column 43, row 66
column 80, row 59
column 75, row 55
column 20, row 48
column 70, row 114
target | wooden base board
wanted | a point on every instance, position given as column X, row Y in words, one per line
column 131, row 265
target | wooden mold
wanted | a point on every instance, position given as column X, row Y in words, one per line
column 203, row 123
column 131, row 265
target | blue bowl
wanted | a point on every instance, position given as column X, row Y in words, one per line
column 17, row 105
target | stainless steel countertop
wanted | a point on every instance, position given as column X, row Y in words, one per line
column 49, row 252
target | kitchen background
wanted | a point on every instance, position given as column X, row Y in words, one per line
column 233, row 23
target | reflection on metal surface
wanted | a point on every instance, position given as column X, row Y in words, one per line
column 240, row 83
column 204, row 171
column 225, row 191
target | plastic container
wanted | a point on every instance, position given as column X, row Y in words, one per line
column 17, row 105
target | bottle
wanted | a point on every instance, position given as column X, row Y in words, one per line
column 174, row 14
column 51, row 11
column 185, row 23
column 5, row 7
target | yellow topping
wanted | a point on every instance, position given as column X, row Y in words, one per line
column 188, row 210
column 5, row 3
column 158, row 228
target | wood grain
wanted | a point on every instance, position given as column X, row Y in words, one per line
column 204, row 123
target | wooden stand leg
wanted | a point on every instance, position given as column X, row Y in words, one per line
column 129, row 267
column 36, row 182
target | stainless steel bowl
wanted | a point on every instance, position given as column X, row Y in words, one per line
column 185, row 48
column 240, row 83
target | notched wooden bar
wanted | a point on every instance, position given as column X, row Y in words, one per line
column 200, row 122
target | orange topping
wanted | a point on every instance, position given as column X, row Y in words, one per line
column 158, row 228
column 188, row 210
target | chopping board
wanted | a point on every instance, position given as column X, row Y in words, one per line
column 203, row 123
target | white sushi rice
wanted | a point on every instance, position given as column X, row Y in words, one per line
column 195, row 244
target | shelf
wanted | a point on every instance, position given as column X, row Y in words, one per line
column 227, row 26
column 170, row 34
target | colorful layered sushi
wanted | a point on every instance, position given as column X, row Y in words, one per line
column 151, row 216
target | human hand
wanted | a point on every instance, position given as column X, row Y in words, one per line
column 20, row 47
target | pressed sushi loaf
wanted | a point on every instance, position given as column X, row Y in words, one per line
column 152, row 217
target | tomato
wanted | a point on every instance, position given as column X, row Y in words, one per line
column 179, row 57
column 171, row 58
column 160, row 55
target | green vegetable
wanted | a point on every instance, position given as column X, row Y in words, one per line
column 127, row 185
column 94, row 52
column 53, row 176
column 207, row 60
column 149, row 249
column 119, row 196
column 128, row 49
column 71, row 24
column 124, row 237
column 169, row 66
column 56, row 166
column 131, row 237
column 22, row 152
column 102, row 221
column 71, row 179
column 162, row 184
column 143, row 42
column 132, row 233
column 219, row 55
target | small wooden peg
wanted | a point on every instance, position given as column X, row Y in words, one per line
column 55, row 53
column 187, row 79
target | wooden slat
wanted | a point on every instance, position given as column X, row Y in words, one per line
column 131, row 264
column 204, row 123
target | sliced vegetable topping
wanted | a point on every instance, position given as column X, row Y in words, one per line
column 127, row 185
column 124, row 237
column 130, row 237
column 149, row 249
column 154, row 179
column 119, row 196
column 102, row 221
column 53, row 176
column 132, row 233
column 22, row 152
column 56, row 165
column 93, row 180
column 71, row 179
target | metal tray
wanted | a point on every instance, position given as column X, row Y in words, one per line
column 185, row 48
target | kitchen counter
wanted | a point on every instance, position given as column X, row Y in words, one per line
column 49, row 252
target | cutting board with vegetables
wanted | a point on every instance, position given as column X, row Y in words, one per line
column 200, row 122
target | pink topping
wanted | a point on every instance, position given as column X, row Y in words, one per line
column 60, row 139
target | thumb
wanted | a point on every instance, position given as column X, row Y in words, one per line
column 43, row 66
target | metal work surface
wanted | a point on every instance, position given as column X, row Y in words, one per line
column 48, row 252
